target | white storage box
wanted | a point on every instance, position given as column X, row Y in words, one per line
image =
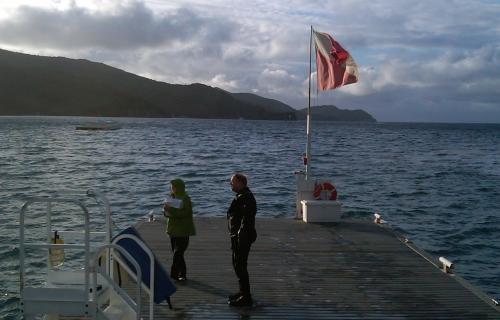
column 320, row 211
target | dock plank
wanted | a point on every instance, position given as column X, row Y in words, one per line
column 345, row 270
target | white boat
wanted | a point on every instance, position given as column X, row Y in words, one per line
column 94, row 127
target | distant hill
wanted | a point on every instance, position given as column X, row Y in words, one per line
column 271, row 105
column 324, row 113
column 332, row 113
column 38, row 85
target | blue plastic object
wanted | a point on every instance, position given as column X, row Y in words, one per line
column 164, row 287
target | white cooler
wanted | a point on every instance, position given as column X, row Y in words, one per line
column 320, row 210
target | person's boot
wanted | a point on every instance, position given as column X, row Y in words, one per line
column 173, row 273
column 242, row 301
column 233, row 297
column 181, row 278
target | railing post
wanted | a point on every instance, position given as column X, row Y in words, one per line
column 447, row 264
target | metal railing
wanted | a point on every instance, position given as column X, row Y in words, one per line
column 73, row 199
column 136, row 306
column 138, row 278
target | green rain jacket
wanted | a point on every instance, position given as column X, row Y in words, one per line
column 180, row 221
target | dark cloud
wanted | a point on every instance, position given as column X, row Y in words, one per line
column 132, row 26
column 416, row 24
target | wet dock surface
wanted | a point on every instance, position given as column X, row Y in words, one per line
column 345, row 270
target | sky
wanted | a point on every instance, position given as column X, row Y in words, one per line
column 419, row 61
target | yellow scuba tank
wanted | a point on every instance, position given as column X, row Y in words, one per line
column 56, row 256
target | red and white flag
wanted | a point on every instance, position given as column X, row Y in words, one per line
column 335, row 65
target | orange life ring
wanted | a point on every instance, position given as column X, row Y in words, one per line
column 325, row 191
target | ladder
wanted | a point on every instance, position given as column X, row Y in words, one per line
column 87, row 289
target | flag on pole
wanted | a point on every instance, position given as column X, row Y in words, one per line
column 335, row 65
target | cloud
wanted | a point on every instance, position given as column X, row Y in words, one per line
column 414, row 24
column 463, row 69
column 221, row 81
column 276, row 81
column 128, row 27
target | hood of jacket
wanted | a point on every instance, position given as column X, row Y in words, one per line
column 180, row 188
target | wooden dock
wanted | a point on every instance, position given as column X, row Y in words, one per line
column 345, row 270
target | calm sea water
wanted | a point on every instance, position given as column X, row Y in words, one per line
column 438, row 184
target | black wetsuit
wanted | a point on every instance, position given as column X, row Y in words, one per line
column 241, row 224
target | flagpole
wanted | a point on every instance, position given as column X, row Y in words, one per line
column 308, row 147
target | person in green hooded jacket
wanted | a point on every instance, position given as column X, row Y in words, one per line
column 180, row 226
